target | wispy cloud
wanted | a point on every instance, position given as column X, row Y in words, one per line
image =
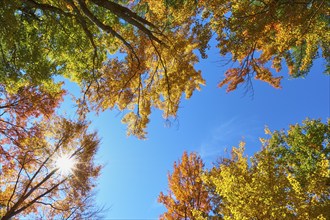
column 227, row 134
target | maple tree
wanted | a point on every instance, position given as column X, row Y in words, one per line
column 288, row 179
column 135, row 55
column 186, row 190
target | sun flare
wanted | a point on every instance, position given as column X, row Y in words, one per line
column 65, row 164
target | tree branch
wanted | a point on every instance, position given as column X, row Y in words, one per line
column 104, row 27
column 16, row 183
column 128, row 16
column 41, row 195
column 46, row 7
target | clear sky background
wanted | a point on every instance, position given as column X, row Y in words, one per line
column 210, row 122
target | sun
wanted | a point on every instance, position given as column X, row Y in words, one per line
column 65, row 164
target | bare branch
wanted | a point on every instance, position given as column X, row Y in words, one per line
column 51, row 205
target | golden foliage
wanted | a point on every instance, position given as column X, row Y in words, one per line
column 140, row 55
column 32, row 139
column 187, row 193
column 288, row 179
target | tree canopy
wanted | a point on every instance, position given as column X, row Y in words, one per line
column 136, row 55
column 34, row 184
column 47, row 162
column 186, row 190
column 288, row 179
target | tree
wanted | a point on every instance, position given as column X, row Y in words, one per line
column 186, row 190
column 249, row 193
column 74, row 39
column 18, row 110
column 135, row 55
column 50, row 174
column 257, row 33
column 35, row 144
column 289, row 178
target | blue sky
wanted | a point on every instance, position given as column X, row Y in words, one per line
column 210, row 122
